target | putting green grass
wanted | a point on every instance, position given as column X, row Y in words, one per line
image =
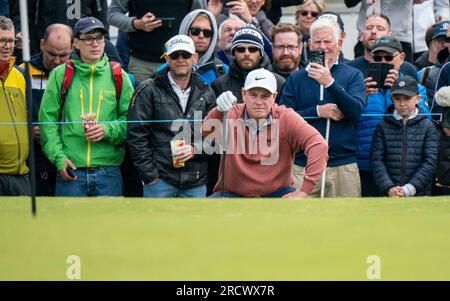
column 245, row 239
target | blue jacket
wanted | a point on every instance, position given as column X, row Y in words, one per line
column 376, row 107
column 302, row 93
column 404, row 154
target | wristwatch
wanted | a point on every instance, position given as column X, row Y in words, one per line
column 255, row 22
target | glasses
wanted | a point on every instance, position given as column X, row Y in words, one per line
column 176, row 55
column 290, row 48
column 304, row 13
column 388, row 58
column 250, row 49
column 4, row 42
column 447, row 40
column 195, row 31
column 90, row 40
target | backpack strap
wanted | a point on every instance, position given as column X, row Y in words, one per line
column 118, row 80
column 70, row 70
column 425, row 73
column 68, row 76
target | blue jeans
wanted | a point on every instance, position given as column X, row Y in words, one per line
column 162, row 189
column 100, row 181
column 277, row 194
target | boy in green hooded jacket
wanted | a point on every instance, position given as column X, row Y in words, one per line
column 83, row 135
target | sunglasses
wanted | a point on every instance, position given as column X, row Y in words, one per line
column 250, row 49
column 304, row 13
column 176, row 55
column 388, row 58
column 195, row 31
column 447, row 40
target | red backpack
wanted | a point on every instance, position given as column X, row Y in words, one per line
column 70, row 70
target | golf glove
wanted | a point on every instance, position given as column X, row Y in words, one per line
column 225, row 101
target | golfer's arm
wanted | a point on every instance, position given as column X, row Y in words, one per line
column 212, row 122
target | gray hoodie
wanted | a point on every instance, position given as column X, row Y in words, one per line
column 399, row 13
column 186, row 24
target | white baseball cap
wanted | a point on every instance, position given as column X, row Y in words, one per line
column 180, row 42
column 261, row 78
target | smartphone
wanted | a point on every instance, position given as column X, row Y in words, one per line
column 378, row 73
column 318, row 56
column 166, row 22
column 70, row 172
column 225, row 7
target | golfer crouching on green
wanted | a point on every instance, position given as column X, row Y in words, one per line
column 262, row 139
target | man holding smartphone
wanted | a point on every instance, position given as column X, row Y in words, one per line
column 387, row 52
column 335, row 92
column 149, row 28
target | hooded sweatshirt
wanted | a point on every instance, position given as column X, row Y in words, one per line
column 92, row 90
column 208, row 66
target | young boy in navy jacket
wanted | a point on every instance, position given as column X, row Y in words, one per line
column 404, row 146
column 442, row 186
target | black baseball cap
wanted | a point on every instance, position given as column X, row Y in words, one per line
column 333, row 16
column 388, row 44
column 88, row 24
column 405, row 85
column 440, row 30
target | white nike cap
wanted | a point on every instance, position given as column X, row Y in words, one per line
column 261, row 78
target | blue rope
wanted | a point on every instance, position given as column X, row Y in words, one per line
column 175, row 120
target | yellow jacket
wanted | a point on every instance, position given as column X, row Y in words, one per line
column 13, row 123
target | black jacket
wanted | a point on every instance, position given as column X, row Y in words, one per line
column 422, row 61
column 274, row 13
column 42, row 13
column 404, row 154
column 149, row 142
column 39, row 75
column 235, row 79
column 443, row 171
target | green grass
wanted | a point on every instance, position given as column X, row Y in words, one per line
column 258, row 239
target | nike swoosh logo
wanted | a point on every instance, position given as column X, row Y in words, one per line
column 259, row 78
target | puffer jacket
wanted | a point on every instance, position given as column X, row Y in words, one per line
column 443, row 171
column 235, row 79
column 376, row 106
column 404, row 154
column 149, row 142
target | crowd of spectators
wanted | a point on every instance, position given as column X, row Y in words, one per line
column 138, row 117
